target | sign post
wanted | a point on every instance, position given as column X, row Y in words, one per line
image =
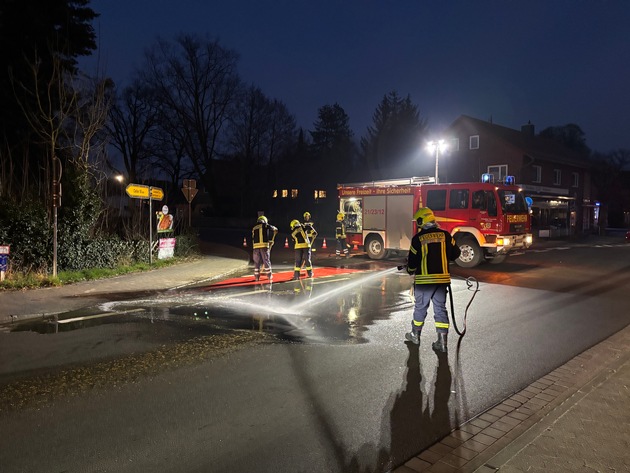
column 190, row 191
column 139, row 191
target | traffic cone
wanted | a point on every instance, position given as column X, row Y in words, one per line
column 286, row 242
column 355, row 247
column 245, row 241
column 324, row 244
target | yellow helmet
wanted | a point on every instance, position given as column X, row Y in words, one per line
column 307, row 215
column 423, row 216
column 262, row 219
column 340, row 216
column 294, row 223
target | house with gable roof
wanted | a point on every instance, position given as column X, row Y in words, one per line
column 554, row 177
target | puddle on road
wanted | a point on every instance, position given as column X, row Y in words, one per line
column 310, row 310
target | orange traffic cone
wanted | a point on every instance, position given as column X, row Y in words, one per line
column 324, row 244
column 286, row 242
column 355, row 247
column 245, row 241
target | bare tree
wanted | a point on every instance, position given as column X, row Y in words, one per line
column 132, row 118
column 195, row 79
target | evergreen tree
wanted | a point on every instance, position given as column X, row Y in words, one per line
column 393, row 145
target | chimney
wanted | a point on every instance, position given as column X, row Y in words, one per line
column 528, row 130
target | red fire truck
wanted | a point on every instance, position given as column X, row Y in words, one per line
column 488, row 220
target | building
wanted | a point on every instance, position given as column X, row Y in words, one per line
column 556, row 178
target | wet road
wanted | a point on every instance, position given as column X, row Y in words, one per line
column 296, row 376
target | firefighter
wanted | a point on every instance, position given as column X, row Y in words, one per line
column 309, row 228
column 340, row 235
column 263, row 238
column 431, row 250
column 302, row 247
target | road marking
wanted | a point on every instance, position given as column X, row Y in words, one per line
column 97, row 316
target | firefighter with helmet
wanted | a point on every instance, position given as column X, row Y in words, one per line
column 431, row 250
column 263, row 237
column 302, row 247
column 309, row 228
column 340, row 235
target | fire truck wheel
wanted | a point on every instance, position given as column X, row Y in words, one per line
column 471, row 253
column 375, row 248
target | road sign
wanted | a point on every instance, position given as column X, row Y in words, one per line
column 190, row 183
column 137, row 191
column 189, row 193
column 157, row 193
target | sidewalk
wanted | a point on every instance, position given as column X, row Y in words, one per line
column 574, row 419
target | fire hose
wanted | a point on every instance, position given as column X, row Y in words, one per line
column 470, row 282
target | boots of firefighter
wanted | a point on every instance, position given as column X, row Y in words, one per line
column 413, row 337
column 296, row 275
column 440, row 343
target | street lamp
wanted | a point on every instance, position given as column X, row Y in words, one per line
column 437, row 147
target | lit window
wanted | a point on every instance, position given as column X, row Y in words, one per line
column 294, row 193
column 275, row 194
column 536, row 173
column 474, row 142
column 557, row 177
column 320, row 194
column 285, row 193
column 576, row 179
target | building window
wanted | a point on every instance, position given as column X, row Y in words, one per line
column 557, row 177
column 576, row 179
column 294, row 193
column 275, row 194
column 285, row 193
column 320, row 194
column 536, row 173
column 499, row 172
column 474, row 142
column 454, row 144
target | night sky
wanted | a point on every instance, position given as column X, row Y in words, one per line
column 551, row 62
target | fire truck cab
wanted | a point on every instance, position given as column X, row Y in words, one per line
column 487, row 220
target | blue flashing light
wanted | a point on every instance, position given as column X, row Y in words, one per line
column 509, row 180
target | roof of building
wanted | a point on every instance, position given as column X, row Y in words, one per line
column 537, row 147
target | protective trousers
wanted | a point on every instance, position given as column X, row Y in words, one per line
column 424, row 294
column 262, row 258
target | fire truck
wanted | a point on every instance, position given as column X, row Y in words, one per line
column 488, row 220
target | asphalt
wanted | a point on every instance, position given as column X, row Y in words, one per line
column 574, row 419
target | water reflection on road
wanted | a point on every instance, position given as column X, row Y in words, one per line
column 336, row 309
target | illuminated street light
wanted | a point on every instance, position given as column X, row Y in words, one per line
column 119, row 177
column 437, row 147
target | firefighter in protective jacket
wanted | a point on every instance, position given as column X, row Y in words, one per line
column 431, row 250
column 263, row 237
column 302, row 247
column 309, row 228
column 340, row 235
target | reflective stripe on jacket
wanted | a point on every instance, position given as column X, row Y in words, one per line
column 263, row 235
column 429, row 255
column 340, row 229
column 300, row 239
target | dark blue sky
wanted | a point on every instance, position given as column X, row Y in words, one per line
column 551, row 62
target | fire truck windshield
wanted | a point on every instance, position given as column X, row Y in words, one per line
column 512, row 202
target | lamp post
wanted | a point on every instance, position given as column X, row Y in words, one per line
column 437, row 147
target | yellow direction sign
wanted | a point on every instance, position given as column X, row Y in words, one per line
column 137, row 191
column 157, row 193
